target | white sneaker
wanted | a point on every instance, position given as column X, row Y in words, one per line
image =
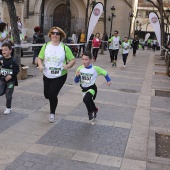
column 7, row 111
column 124, row 66
column 52, row 118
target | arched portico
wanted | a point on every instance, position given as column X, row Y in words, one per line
column 77, row 13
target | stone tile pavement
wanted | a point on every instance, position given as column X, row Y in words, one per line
column 122, row 137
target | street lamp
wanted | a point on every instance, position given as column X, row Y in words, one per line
column 93, row 3
column 111, row 19
column 131, row 16
column 137, row 24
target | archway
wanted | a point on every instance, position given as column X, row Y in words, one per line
column 60, row 15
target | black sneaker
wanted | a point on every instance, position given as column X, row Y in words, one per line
column 95, row 112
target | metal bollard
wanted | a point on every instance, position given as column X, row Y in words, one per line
column 168, row 64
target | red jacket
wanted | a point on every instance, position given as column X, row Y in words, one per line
column 96, row 43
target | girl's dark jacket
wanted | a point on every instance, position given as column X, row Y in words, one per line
column 10, row 64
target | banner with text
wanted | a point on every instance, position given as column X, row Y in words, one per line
column 94, row 17
column 156, row 25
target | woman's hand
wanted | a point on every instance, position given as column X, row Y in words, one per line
column 7, row 78
column 41, row 68
column 65, row 67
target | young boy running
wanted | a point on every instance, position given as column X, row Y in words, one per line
column 87, row 74
column 9, row 69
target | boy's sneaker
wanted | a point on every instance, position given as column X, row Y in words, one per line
column 95, row 112
column 113, row 64
column 52, row 118
column 124, row 66
column 91, row 117
column 7, row 111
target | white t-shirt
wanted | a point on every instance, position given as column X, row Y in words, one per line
column 54, row 57
column 115, row 43
column 74, row 38
column 3, row 35
column 125, row 47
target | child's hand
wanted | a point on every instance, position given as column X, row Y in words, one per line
column 109, row 83
column 77, row 73
column 7, row 78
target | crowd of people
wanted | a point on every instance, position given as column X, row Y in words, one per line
column 55, row 58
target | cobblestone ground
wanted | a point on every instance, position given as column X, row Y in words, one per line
column 121, row 138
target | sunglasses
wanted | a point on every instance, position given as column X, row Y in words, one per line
column 115, row 33
column 55, row 33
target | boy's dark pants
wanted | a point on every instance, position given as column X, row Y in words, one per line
column 7, row 88
column 88, row 100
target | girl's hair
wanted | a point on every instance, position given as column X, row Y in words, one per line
column 62, row 33
column 98, row 33
column 7, row 45
column 2, row 26
column 87, row 53
column 37, row 28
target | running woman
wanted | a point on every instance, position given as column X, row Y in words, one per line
column 125, row 50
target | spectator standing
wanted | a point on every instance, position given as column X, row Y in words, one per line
column 82, row 39
column 74, row 37
column 96, row 45
column 38, row 38
column 3, row 35
column 135, row 44
column 19, row 23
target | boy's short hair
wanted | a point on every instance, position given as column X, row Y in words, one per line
column 87, row 53
column 7, row 45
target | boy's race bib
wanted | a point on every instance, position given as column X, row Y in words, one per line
column 86, row 78
column 6, row 72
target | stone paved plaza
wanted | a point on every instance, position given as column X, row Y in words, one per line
column 122, row 137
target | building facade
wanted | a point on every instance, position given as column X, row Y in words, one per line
column 142, row 23
column 54, row 14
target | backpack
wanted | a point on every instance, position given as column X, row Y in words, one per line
column 40, row 38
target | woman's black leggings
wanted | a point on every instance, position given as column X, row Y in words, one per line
column 51, row 89
column 88, row 100
column 124, row 58
column 95, row 52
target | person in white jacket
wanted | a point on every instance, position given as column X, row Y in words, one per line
column 74, row 37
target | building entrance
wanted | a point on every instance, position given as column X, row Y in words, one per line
column 60, row 16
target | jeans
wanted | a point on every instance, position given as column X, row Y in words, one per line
column 7, row 88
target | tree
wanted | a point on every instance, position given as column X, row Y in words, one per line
column 104, row 33
column 15, row 31
column 86, row 18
